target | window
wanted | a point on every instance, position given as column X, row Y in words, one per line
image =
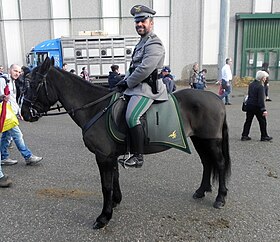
column 60, row 11
column 10, row 9
column 110, row 8
column 60, row 8
column 263, row 6
column 161, row 7
column 110, row 13
column 13, row 42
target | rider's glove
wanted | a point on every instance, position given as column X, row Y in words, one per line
column 122, row 85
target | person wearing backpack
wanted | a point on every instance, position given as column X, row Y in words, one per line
column 168, row 79
column 15, row 132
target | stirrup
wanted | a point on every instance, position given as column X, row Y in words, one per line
column 124, row 159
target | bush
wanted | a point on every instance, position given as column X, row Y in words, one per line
column 242, row 81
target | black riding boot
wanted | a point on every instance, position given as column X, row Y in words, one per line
column 137, row 141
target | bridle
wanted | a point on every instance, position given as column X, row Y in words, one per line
column 43, row 84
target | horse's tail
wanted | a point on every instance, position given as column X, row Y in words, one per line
column 225, row 148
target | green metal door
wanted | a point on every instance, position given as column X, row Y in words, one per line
column 261, row 43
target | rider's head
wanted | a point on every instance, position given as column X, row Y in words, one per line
column 143, row 18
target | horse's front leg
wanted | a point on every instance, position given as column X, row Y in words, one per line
column 107, row 171
column 117, row 194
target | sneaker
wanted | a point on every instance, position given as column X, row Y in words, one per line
column 227, row 103
column 245, row 138
column 8, row 162
column 5, row 181
column 267, row 138
column 268, row 100
column 33, row 159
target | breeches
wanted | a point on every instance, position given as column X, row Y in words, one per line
column 136, row 107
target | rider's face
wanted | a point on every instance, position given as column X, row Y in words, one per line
column 144, row 27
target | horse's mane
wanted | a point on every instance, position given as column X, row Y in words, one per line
column 75, row 78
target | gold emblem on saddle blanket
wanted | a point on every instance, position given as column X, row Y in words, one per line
column 173, row 135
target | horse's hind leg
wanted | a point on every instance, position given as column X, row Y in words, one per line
column 210, row 152
column 205, row 185
column 111, row 196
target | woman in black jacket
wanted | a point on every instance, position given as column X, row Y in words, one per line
column 255, row 106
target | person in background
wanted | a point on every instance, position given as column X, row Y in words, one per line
column 193, row 75
column 266, row 83
column 1, row 70
column 14, row 132
column 256, row 107
column 84, row 74
column 168, row 80
column 201, row 80
column 226, row 81
column 72, row 71
column 114, row 76
column 20, row 84
column 64, row 66
column 141, row 83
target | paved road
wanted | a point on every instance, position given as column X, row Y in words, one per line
column 59, row 199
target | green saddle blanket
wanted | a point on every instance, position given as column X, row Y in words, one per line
column 163, row 124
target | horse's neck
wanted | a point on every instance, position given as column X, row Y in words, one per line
column 73, row 93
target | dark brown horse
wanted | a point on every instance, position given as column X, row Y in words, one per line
column 203, row 115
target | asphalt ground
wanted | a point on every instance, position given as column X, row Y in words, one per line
column 59, row 199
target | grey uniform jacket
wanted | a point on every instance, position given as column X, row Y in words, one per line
column 148, row 55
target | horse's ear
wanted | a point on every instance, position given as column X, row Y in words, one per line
column 45, row 66
column 52, row 61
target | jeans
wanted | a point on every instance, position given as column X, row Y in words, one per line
column 17, row 136
column 1, row 173
column 226, row 92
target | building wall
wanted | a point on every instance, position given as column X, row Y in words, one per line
column 188, row 28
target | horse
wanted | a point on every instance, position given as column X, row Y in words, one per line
column 203, row 115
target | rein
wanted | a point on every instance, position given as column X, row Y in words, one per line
column 72, row 111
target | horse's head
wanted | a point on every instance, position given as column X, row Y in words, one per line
column 37, row 97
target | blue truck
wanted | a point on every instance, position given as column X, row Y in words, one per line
column 97, row 53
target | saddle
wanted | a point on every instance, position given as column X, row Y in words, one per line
column 162, row 123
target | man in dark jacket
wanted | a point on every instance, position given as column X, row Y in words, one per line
column 114, row 76
column 255, row 106
column 168, row 80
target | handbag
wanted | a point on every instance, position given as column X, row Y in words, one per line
column 244, row 104
column 11, row 119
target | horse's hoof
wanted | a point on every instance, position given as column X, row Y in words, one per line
column 98, row 225
column 218, row 204
column 197, row 195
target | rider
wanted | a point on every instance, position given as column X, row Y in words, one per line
column 141, row 83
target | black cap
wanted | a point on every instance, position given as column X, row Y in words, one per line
column 141, row 12
column 166, row 69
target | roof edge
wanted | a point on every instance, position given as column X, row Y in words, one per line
column 252, row 16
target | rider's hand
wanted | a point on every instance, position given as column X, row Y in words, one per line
column 121, row 85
